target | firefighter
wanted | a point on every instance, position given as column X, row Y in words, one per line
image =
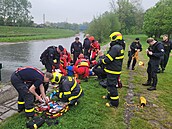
column 26, row 93
column 113, row 66
column 135, row 47
column 99, row 71
column 95, row 47
column 167, row 49
column 86, row 46
column 51, row 57
column 63, row 65
column 81, row 67
column 154, row 52
column 69, row 90
column 76, row 49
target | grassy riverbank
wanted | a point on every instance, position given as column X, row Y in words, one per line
column 18, row 34
column 91, row 112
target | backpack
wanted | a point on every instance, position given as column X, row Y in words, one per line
column 44, row 55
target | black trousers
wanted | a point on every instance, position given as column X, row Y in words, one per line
column 75, row 56
column 86, row 53
column 48, row 67
column 129, row 61
column 101, row 74
column 152, row 72
column 164, row 60
column 112, row 80
column 25, row 98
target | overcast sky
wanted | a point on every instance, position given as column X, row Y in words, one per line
column 73, row 11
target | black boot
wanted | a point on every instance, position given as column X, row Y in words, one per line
column 151, row 88
column 146, row 84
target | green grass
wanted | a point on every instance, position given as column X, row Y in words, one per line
column 18, row 34
column 91, row 112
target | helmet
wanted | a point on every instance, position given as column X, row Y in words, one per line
column 91, row 38
column 115, row 36
column 81, row 56
column 56, row 77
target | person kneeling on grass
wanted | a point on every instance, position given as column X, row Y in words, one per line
column 69, row 90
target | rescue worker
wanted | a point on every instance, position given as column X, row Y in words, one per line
column 81, row 67
column 76, row 49
column 69, row 90
column 99, row 71
column 66, row 54
column 86, row 46
column 63, row 65
column 51, row 57
column 95, row 47
column 154, row 52
column 167, row 49
column 113, row 66
column 135, row 47
column 26, row 93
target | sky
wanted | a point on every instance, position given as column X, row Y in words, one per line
column 73, row 11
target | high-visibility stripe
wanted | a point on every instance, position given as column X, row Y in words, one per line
column 29, row 110
column 67, row 93
column 19, row 102
column 74, row 97
column 115, row 98
column 112, row 72
column 119, row 57
column 60, row 95
column 35, row 126
column 74, row 85
column 110, row 57
column 103, row 61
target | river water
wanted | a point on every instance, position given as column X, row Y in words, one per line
column 13, row 56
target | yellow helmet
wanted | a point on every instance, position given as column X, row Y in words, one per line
column 56, row 77
column 115, row 36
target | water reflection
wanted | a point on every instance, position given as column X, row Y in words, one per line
column 24, row 54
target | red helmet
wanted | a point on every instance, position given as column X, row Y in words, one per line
column 81, row 56
column 91, row 38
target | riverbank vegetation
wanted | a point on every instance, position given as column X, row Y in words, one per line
column 129, row 17
column 91, row 112
column 19, row 34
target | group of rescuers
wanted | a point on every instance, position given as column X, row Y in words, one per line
column 32, row 84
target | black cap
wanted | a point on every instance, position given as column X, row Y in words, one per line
column 137, row 39
column 77, row 38
column 61, row 47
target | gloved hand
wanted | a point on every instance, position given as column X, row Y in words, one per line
column 99, row 62
column 56, row 66
column 53, row 94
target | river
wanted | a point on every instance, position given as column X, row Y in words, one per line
column 15, row 55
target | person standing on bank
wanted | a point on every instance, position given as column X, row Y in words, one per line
column 135, row 47
column 20, row 79
column 76, row 49
column 51, row 57
column 86, row 46
column 167, row 49
column 155, row 51
column 113, row 66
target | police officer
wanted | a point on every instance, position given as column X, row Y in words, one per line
column 154, row 52
column 69, row 90
column 86, row 46
column 113, row 66
column 20, row 79
column 135, row 47
column 76, row 49
column 167, row 49
column 51, row 57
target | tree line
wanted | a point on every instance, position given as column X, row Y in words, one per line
column 128, row 17
column 15, row 13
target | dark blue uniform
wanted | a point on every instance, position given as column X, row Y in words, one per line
column 154, row 61
column 76, row 50
column 22, row 79
column 86, row 47
column 167, row 49
column 134, row 47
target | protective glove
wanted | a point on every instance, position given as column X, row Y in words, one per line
column 53, row 94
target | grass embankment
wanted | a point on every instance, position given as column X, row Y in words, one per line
column 91, row 112
column 18, row 34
